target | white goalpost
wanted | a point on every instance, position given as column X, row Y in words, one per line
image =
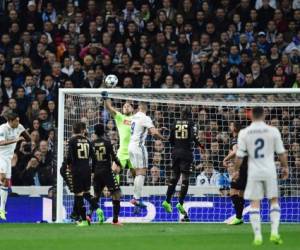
column 213, row 110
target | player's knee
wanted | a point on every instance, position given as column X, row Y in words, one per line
column 116, row 195
column 185, row 182
column 4, row 181
column 234, row 191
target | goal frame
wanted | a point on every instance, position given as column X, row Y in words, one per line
column 63, row 92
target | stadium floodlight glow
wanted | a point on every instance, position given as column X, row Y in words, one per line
column 212, row 110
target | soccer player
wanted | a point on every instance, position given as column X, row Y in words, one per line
column 10, row 134
column 123, row 122
column 183, row 135
column 238, row 184
column 259, row 141
column 140, row 125
column 78, row 160
column 103, row 173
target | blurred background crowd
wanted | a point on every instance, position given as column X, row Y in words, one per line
column 50, row 44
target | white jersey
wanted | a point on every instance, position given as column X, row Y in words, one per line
column 140, row 124
column 259, row 141
column 8, row 133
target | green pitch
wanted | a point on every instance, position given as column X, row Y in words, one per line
column 140, row 237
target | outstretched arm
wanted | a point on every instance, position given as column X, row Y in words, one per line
column 107, row 104
column 154, row 132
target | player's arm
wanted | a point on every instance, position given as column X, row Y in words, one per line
column 172, row 136
column 155, row 133
column 241, row 150
column 26, row 135
column 70, row 152
column 152, row 130
column 230, row 156
column 113, row 154
column 4, row 141
column 280, row 150
column 108, row 105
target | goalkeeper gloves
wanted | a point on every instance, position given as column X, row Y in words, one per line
column 104, row 95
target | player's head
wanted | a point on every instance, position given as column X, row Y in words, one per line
column 185, row 113
column 258, row 113
column 83, row 129
column 77, row 128
column 13, row 119
column 143, row 107
column 127, row 109
column 99, row 129
column 235, row 127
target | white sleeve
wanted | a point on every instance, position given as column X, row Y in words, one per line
column 241, row 146
column 2, row 134
column 279, row 148
column 198, row 180
column 148, row 122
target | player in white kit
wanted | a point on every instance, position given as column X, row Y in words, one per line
column 259, row 142
column 10, row 134
column 140, row 125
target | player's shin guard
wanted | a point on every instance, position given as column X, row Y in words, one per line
column 183, row 190
column 138, row 186
column 275, row 218
column 116, row 210
column 90, row 199
column 254, row 214
column 80, row 209
column 3, row 196
column 171, row 188
column 238, row 203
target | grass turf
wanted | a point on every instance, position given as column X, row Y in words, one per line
column 140, row 236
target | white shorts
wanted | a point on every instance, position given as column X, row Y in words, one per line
column 138, row 156
column 258, row 189
column 5, row 167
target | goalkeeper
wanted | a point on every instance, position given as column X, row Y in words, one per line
column 123, row 122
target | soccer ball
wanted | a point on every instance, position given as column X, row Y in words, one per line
column 111, row 81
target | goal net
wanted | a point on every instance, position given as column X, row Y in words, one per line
column 214, row 111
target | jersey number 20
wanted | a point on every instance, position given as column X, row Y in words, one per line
column 83, row 150
column 259, row 143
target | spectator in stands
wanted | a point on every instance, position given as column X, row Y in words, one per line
column 208, row 177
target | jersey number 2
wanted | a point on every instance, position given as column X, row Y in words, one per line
column 259, row 143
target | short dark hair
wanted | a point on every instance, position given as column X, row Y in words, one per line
column 11, row 116
column 99, row 129
column 77, row 127
column 186, row 111
column 237, row 126
column 257, row 112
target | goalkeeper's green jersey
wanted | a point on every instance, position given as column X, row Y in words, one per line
column 123, row 123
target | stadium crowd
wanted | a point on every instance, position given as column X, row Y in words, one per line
column 46, row 45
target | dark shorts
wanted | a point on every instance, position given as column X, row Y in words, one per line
column 240, row 183
column 105, row 178
column 81, row 181
column 182, row 161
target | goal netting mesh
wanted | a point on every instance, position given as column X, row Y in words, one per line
column 208, row 197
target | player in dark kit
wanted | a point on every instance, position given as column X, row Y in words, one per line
column 80, row 152
column 103, row 173
column 183, row 135
column 239, row 180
